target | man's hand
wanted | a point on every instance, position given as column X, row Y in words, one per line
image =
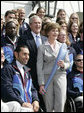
column 28, row 105
column 35, row 106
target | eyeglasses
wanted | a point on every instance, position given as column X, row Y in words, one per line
column 63, row 26
column 62, row 35
column 74, row 18
column 79, row 60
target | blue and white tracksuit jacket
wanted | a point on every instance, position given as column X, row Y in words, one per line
column 14, row 87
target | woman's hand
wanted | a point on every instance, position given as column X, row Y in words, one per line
column 60, row 63
column 42, row 90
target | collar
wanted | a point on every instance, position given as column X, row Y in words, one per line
column 76, row 71
column 81, row 72
column 34, row 34
column 47, row 42
column 12, row 40
column 56, row 46
column 19, row 65
column 15, row 66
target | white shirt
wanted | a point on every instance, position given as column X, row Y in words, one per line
column 34, row 35
column 20, row 67
column 13, row 42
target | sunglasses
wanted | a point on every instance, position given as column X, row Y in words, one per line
column 79, row 60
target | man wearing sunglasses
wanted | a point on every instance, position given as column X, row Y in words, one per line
column 75, row 81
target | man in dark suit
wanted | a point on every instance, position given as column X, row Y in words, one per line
column 33, row 40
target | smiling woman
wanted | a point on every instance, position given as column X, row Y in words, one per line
column 52, row 26
column 73, row 33
column 47, row 54
column 41, row 12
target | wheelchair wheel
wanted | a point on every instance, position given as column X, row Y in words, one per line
column 70, row 105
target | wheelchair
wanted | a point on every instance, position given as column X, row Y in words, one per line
column 72, row 106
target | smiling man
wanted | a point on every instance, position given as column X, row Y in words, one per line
column 17, row 83
column 33, row 40
column 75, row 82
column 9, row 42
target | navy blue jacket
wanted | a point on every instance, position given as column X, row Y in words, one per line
column 71, row 38
column 10, row 93
column 24, row 27
column 72, row 87
column 8, row 48
column 78, row 46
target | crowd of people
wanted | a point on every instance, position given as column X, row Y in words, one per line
column 28, row 53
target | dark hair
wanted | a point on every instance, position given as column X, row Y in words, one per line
column 60, row 21
column 74, row 67
column 39, row 9
column 19, row 46
column 81, row 30
column 69, row 27
column 81, row 27
column 60, row 10
column 44, row 24
column 9, row 12
column 9, row 22
column 32, row 14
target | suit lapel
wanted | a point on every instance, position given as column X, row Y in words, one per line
column 32, row 43
column 49, row 50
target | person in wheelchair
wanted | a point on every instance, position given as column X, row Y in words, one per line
column 75, row 82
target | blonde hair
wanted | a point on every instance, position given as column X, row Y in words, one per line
column 17, row 25
column 67, row 38
column 70, row 21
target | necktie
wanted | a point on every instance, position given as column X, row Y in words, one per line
column 37, row 41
